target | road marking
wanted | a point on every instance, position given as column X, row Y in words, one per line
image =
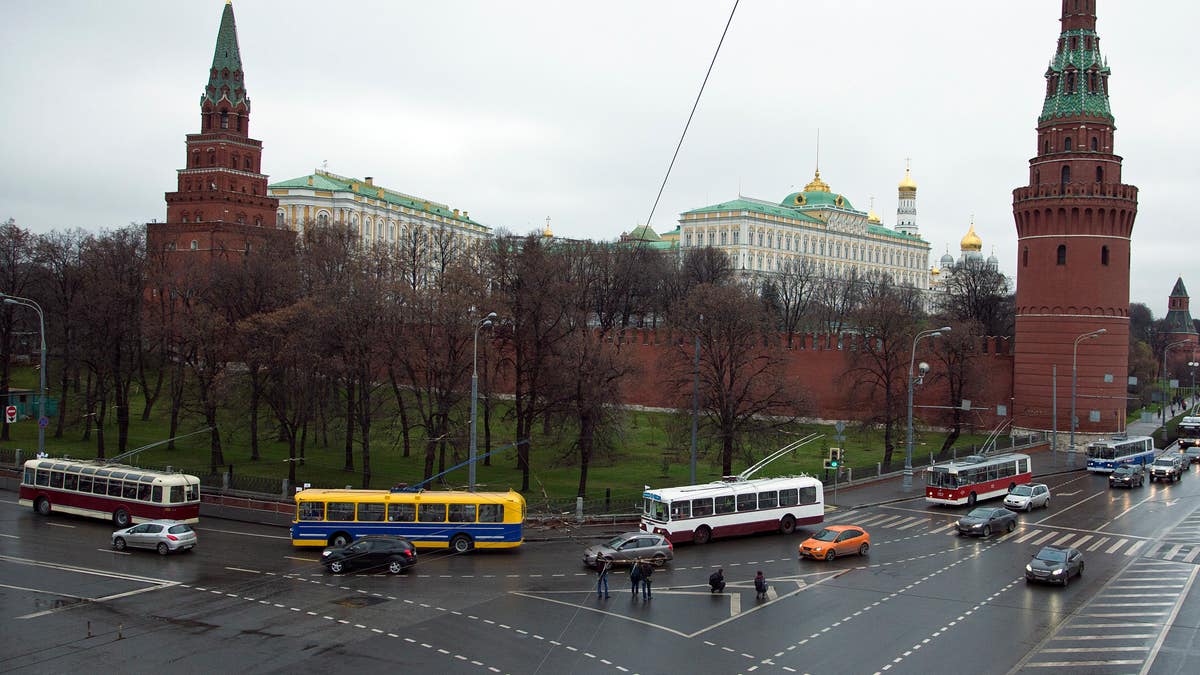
column 1192, row 556
column 1062, row 511
column 60, row 525
column 919, row 521
column 1069, row 650
column 241, row 569
column 10, row 536
column 1046, row 538
column 1162, row 635
column 1065, row 539
column 288, row 557
column 1148, row 498
column 38, row 590
column 1119, row 544
column 1125, row 636
column 1098, row 543
column 109, row 550
column 1134, row 547
column 244, row 534
column 1027, row 537
column 1082, row 540
column 1096, row 664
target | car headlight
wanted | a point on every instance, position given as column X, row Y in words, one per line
column 977, row 525
column 1057, row 572
column 325, row 553
column 1029, row 568
column 817, row 549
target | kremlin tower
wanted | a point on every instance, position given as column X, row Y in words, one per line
column 220, row 205
column 906, row 212
column 1074, row 222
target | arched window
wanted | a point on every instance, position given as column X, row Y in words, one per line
column 233, row 161
column 224, row 119
column 1062, row 254
column 1095, row 143
column 239, row 122
column 1099, row 174
column 185, row 218
column 1067, row 143
column 199, row 216
column 1066, row 176
column 1104, row 255
column 195, row 158
column 322, row 218
column 212, row 157
column 1025, row 257
column 195, row 245
column 1047, row 150
column 248, row 167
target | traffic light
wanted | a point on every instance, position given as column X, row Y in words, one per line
column 835, row 458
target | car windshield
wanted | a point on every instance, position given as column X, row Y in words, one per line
column 1125, row 470
column 179, row 529
column 1164, row 462
column 980, row 513
column 1052, row 555
column 616, row 542
column 826, row 535
column 1022, row 491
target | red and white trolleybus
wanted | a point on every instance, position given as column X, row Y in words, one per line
column 966, row 480
column 117, row 492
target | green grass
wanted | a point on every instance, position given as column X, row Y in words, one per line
column 648, row 449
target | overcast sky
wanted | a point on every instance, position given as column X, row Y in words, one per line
column 516, row 111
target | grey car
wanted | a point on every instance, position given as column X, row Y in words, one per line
column 1055, row 564
column 631, row 546
column 164, row 536
column 985, row 520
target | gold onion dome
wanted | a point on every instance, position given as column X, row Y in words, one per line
column 873, row 218
column 908, row 184
column 972, row 242
column 935, row 272
column 817, row 185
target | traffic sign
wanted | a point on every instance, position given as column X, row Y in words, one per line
column 10, row 413
column 43, row 422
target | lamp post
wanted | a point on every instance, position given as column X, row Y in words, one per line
column 1166, row 389
column 908, row 453
column 1193, row 365
column 1074, row 382
column 485, row 323
column 26, row 302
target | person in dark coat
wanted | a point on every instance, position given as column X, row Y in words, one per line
column 716, row 581
column 760, row 586
column 635, row 576
column 647, row 573
column 603, row 567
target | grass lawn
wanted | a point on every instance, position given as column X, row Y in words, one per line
column 649, row 448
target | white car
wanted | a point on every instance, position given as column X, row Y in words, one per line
column 1026, row 497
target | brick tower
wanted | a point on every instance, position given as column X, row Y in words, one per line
column 220, row 205
column 1074, row 222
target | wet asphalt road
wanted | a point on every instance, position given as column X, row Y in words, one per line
column 923, row 600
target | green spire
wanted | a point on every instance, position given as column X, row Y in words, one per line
column 1077, row 79
column 225, row 77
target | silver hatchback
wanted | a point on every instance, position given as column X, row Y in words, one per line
column 628, row 547
column 164, row 536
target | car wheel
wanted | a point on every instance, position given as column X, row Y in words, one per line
column 394, row 567
column 1080, row 569
column 971, row 499
column 1047, row 504
column 862, row 550
column 787, row 524
column 658, row 560
column 460, row 543
column 1028, row 506
column 42, row 506
column 337, row 567
column 987, row 530
column 339, row 540
column 121, row 518
column 119, row 543
column 1066, row 579
column 701, row 535
column 830, row 555
column 1011, row 526
column 163, row 549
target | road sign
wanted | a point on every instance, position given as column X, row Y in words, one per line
column 840, row 426
column 10, row 414
column 44, row 422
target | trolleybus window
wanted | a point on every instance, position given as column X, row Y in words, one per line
column 431, row 513
column 462, row 513
column 339, row 511
column 193, row 492
column 43, row 477
column 85, row 484
column 71, row 481
column 402, row 513
column 100, row 486
column 789, row 497
column 491, row 513
column 679, row 510
column 747, row 502
column 702, row 507
column 725, row 504
column 371, row 511
column 311, row 510
column 768, row 499
column 157, row 493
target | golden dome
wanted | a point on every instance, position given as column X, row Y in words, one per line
column 547, row 233
column 972, row 242
column 873, row 218
column 908, row 184
column 935, row 272
column 817, row 185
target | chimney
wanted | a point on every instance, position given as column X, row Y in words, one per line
column 310, row 182
column 371, row 181
column 455, row 213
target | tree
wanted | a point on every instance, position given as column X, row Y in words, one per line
column 742, row 387
column 59, row 256
column 16, row 272
column 956, row 355
column 838, row 298
column 794, row 289
column 978, row 293
column 888, row 319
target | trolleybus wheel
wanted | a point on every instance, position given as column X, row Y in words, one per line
column 788, row 524
column 121, row 518
column 42, row 506
column 702, row 535
column 971, row 500
column 461, row 543
column 339, row 540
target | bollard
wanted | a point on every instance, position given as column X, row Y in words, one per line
column 579, row 509
column 19, row 462
column 89, row 629
column 878, row 468
column 608, row 500
column 225, row 480
column 285, row 488
column 120, row 631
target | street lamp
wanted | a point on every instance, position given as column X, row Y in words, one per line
column 485, row 323
column 908, row 467
column 1074, row 380
column 26, row 302
column 1165, row 388
column 1193, row 365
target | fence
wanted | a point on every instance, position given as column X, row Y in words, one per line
column 924, row 460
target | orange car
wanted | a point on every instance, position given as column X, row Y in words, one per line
column 836, row 540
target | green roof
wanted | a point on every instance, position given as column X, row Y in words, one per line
column 817, row 199
column 1070, row 74
column 894, row 234
column 644, row 233
column 321, row 180
column 225, row 79
column 1180, row 291
column 755, row 206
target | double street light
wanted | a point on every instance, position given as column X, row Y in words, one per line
column 486, row 322
column 1075, row 378
column 26, row 302
column 1166, row 389
column 908, row 467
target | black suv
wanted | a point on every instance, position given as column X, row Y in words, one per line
column 1127, row 475
column 1166, row 468
column 396, row 554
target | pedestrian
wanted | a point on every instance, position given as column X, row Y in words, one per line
column 760, row 586
column 716, row 581
column 635, row 576
column 647, row 572
column 603, row 567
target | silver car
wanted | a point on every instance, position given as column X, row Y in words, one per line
column 1027, row 497
column 631, row 546
column 164, row 536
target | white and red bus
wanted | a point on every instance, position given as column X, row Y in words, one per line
column 123, row 494
column 1189, row 432
column 966, row 480
column 733, row 506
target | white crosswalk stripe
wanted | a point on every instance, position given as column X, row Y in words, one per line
column 1027, row 537
column 1098, row 543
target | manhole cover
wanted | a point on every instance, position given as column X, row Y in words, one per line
column 359, row 601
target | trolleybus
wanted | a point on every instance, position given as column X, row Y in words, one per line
column 94, row 488
column 967, row 480
column 735, row 505
column 1189, row 432
column 457, row 520
column 1106, row 454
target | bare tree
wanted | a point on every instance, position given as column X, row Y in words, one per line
column 958, row 364
column 16, row 272
column 60, row 258
column 976, row 292
column 794, row 290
